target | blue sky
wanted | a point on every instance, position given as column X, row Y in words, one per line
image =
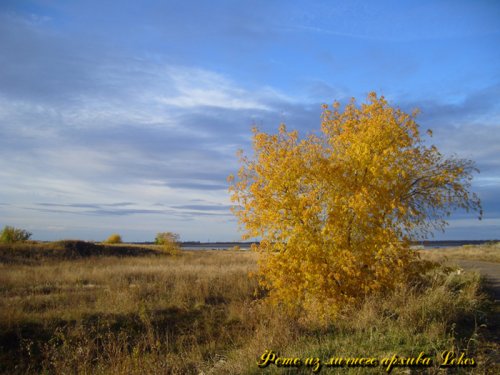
column 125, row 116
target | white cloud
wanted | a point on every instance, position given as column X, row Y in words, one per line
column 202, row 88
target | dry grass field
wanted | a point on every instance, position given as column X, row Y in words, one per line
column 487, row 253
column 116, row 310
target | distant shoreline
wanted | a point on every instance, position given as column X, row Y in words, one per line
column 194, row 245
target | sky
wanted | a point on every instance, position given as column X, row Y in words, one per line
column 126, row 116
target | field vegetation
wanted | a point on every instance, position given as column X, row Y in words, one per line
column 72, row 307
column 487, row 253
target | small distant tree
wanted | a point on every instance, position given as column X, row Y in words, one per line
column 11, row 235
column 336, row 211
column 114, row 238
column 169, row 241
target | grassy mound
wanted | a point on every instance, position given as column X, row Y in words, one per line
column 35, row 252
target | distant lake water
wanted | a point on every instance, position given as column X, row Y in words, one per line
column 215, row 246
column 425, row 245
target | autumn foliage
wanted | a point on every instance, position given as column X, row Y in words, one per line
column 169, row 242
column 336, row 210
column 114, row 239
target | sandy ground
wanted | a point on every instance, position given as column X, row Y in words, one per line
column 491, row 272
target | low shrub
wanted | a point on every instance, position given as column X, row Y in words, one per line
column 11, row 235
column 114, row 238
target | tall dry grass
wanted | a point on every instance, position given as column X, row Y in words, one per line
column 487, row 253
column 443, row 312
column 200, row 313
column 108, row 311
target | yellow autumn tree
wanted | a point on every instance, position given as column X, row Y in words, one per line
column 169, row 242
column 336, row 211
